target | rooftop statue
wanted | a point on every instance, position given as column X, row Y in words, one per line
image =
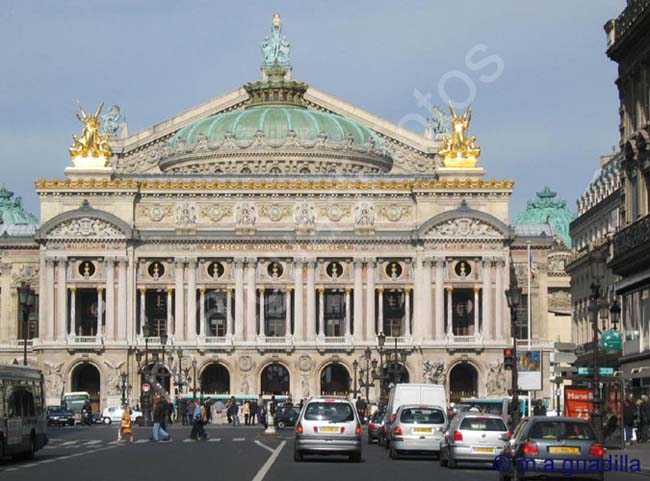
column 458, row 150
column 275, row 49
column 109, row 120
column 438, row 124
column 92, row 143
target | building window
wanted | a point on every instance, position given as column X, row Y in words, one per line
column 156, row 312
column 216, row 313
column 634, row 196
column 394, row 312
column 334, row 313
column 85, row 319
column 463, row 311
column 275, row 313
column 521, row 327
column 32, row 322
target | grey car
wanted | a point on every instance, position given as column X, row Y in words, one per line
column 417, row 429
column 473, row 437
column 326, row 426
column 375, row 426
column 546, row 447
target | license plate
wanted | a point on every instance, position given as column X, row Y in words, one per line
column 329, row 429
column 563, row 450
column 483, row 450
column 422, row 430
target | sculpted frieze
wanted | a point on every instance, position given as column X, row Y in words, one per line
column 305, row 215
column 393, row 212
column 364, row 214
column 335, row 212
column 245, row 214
column 275, row 212
column 463, row 227
column 186, row 214
column 155, row 212
column 216, row 212
column 85, row 228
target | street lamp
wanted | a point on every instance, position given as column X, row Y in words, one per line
column 355, row 366
column 513, row 295
column 615, row 313
column 124, row 387
column 26, row 300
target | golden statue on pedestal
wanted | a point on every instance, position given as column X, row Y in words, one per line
column 92, row 143
column 458, row 150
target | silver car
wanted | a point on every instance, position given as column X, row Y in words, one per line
column 417, row 429
column 473, row 437
column 328, row 425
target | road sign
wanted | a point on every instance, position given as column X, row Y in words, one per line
column 565, row 371
column 565, row 346
column 588, row 371
column 563, row 357
column 146, row 387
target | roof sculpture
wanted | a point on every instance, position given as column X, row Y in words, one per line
column 12, row 210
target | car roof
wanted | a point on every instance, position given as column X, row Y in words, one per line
column 474, row 414
column 424, row 406
column 329, row 398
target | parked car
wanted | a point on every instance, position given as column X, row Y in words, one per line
column 454, row 409
column 375, row 426
column 564, row 441
column 473, row 437
column 59, row 416
column 417, row 429
column 327, row 426
column 114, row 415
column 286, row 416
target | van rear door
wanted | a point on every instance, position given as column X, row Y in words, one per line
column 433, row 396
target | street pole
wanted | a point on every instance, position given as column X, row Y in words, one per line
column 595, row 414
column 515, row 369
column 25, row 333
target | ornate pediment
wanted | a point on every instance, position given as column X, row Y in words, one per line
column 463, row 228
column 86, row 228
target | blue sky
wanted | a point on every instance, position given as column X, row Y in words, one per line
column 544, row 118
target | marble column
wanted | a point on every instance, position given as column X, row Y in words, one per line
column 450, row 321
column 262, row 315
column 358, row 301
column 229, row 326
column 380, row 308
column 427, row 301
column 238, row 266
column 418, row 295
column 202, row 313
column 486, row 307
column 49, row 300
column 287, row 327
column 407, row 312
column 42, row 298
column 170, row 313
column 321, row 311
column 100, row 311
column 251, row 300
column 110, row 300
column 73, row 311
column 498, row 299
column 298, row 309
column 348, row 313
column 179, row 291
column 476, row 310
column 62, row 299
column 121, row 296
column 440, row 299
column 190, row 326
column 143, row 311
column 370, row 300
column 311, row 301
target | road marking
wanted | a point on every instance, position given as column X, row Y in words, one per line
column 68, row 443
column 62, row 458
column 141, row 441
column 93, row 441
column 188, row 440
column 214, row 440
column 269, row 462
column 268, row 448
column 238, row 439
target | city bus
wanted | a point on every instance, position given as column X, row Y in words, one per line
column 75, row 401
column 500, row 406
column 23, row 423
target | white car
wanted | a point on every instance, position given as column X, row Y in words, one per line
column 114, row 415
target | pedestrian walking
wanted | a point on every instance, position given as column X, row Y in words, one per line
column 261, row 415
column 247, row 412
column 199, row 417
column 628, row 420
column 228, row 411
column 644, row 418
column 125, row 428
column 253, row 412
column 539, row 409
column 234, row 412
column 159, row 433
column 182, row 409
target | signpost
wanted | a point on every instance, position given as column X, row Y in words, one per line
column 578, row 402
column 146, row 387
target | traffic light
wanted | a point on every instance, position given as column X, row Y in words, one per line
column 508, row 359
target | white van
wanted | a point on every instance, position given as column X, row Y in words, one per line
column 418, row 394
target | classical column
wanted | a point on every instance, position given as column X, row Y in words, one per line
column 42, row 298
column 287, row 327
column 143, row 310
column 476, row 312
column 407, row 312
column 370, row 300
column 440, row 299
column 62, row 299
column 311, row 301
column 380, row 308
column 49, row 301
column 321, row 311
column 121, row 297
column 190, row 324
column 251, row 300
column 486, row 307
column 450, row 322
column 229, row 326
column 498, row 300
column 170, row 314
column 73, row 310
column 262, row 316
column 179, row 267
column 298, row 309
column 202, row 313
column 427, row 301
column 110, row 300
column 418, row 294
column 100, row 310
column 358, row 300
column 238, row 265
column 348, row 323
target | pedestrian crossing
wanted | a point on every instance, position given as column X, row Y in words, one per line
column 97, row 443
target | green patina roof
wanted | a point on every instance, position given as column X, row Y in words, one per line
column 276, row 121
column 12, row 211
column 546, row 210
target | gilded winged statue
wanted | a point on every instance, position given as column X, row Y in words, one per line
column 92, row 143
column 459, row 150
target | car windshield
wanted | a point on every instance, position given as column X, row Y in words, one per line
column 334, row 412
column 561, row 430
column 482, row 424
column 377, row 417
column 422, row 416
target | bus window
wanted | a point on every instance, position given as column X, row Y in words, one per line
column 2, row 399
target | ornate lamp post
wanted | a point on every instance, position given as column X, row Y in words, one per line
column 124, row 387
column 513, row 295
column 355, row 367
column 145, row 397
column 26, row 301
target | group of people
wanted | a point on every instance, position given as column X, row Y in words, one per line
column 636, row 419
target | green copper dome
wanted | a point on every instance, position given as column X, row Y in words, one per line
column 12, row 211
column 276, row 122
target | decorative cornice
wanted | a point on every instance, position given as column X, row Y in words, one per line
column 86, row 184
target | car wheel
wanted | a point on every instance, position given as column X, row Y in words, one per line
column 297, row 456
column 107, row 421
column 355, row 457
column 442, row 458
column 393, row 454
column 281, row 425
column 386, row 443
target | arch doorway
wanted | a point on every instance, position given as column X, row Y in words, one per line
column 86, row 377
column 275, row 380
column 215, row 379
column 463, row 382
column 161, row 373
column 335, row 380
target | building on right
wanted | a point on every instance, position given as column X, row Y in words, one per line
column 628, row 38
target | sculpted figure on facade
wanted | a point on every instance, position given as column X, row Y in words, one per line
column 434, row 372
column 245, row 214
column 113, row 372
column 464, row 227
column 496, row 380
column 54, row 382
column 304, row 387
column 85, row 227
column 364, row 214
column 305, row 215
column 185, row 214
column 245, row 388
column 110, row 119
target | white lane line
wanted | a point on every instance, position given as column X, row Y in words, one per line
column 238, row 439
column 269, row 462
column 268, row 448
column 62, row 458
column 188, row 440
column 68, row 443
column 214, row 440
column 141, row 441
column 93, row 441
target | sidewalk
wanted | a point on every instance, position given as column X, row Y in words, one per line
column 636, row 451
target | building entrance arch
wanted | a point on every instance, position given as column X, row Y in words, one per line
column 215, row 379
column 86, row 377
column 463, row 382
column 275, row 380
column 335, row 380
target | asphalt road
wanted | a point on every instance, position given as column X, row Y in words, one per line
column 82, row 453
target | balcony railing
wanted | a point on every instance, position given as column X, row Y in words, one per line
column 626, row 19
column 334, row 339
column 216, row 340
column 631, row 237
column 275, row 340
column 464, row 339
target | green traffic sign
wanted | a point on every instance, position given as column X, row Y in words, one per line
column 588, row 371
column 611, row 340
